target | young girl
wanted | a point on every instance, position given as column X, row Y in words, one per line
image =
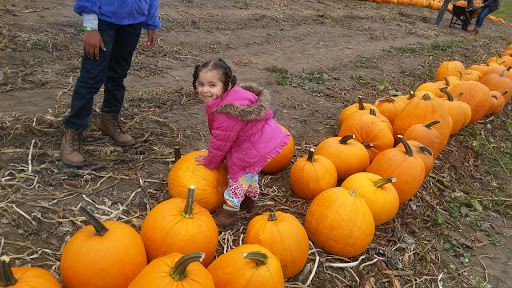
column 242, row 130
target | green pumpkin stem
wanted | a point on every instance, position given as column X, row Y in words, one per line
column 383, row 181
column 311, row 155
column 178, row 270
column 461, row 77
column 360, row 102
column 188, row 212
column 259, row 257
column 408, row 150
column 272, row 216
column 446, row 81
column 344, row 139
column 431, row 123
column 6, row 277
column 98, row 226
column 385, row 98
column 425, row 149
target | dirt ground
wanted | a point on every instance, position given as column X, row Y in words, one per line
column 333, row 52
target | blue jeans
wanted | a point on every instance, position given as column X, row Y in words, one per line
column 110, row 70
column 484, row 11
column 441, row 11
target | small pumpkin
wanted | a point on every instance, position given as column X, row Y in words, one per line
column 429, row 87
column 496, row 82
column 426, row 135
column 459, row 111
column 25, row 277
column 422, row 152
column 281, row 160
column 389, row 107
column 359, row 106
column 284, row 236
column 497, row 102
column 449, row 68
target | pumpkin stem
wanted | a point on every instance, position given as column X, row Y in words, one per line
column 353, row 192
column 188, row 212
column 503, row 94
column 259, row 257
column 6, row 277
column 461, row 77
column 367, row 145
column 360, row 102
column 408, row 150
column 177, row 154
column 344, row 139
column 431, row 123
column 425, row 149
column 425, row 96
column 446, row 81
column 98, row 226
column 272, row 216
column 386, row 98
column 502, row 73
column 372, row 112
column 311, row 155
column 448, row 94
column 383, row 181
column 178, row 270
column 458, row 96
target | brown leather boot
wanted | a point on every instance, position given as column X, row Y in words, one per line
column 225, row 217
column 109, row 125
column 247, row 204
column 70, row 146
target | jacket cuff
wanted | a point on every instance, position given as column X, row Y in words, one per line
column 90, row 21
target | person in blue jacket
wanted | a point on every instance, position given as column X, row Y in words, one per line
column 112, row 31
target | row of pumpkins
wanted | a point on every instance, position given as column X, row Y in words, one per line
column 436, row 5
column 379, row 169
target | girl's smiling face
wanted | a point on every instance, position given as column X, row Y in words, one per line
column 209, row 85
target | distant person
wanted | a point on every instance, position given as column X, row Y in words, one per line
column 444, row 7
column 485, row 9
column 112, row 31
column 243, row 132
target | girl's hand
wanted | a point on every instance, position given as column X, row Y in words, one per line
column 150, row 43
column 92, row 44
column 199, row 159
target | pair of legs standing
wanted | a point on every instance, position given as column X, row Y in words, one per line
column 109, row 71
column 484, row 12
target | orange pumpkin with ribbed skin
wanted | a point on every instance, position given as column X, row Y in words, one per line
column 102, row 255
column 460, row 112
column 377, row 114
column 284, row 236
column 494, row 70
column 389, row 107
column 482, row 68
column 408, row 170
column 312, row 174
column 210, row 183
column 347, row 155
column 248, row 266
column 472, row 75
column 281, row 160
column 421, row 110
column 173, row 271
column 405, row 98
column 340, row 222
column 422, row 152
column 353, row 108
column 497, row 102
column 370, row 131
column 182, row 226
column 378, row 193
column 426, row 135
column 476, row 94
column 25, row 277
column 429, row 87
column 496, row 82
column 449, row 68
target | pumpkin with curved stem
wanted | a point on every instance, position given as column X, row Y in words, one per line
column 449, row 68
column 102, row 255
column 378, row 193
column 284, row 236
column 429, row 87
column 312, row 174
column 497, row 102
column 389, row 107
column 482, row 68
column 281, row 160
column 248, row 266
column 182, row 226
column 421, row 152
column 347, row 155
column 359, row 106
column 21, row 277
column 476, row 94
column 210, row 183
column 496, row 82
column 426, row 135
column 408, row 170
column 472, row 75
column 460, row 112
column 174, row 270
column 340, row 222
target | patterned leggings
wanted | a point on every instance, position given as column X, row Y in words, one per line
column 247, row 185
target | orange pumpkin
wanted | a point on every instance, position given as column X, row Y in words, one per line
column 347, row 155
column 426, row 135
column 340, row 222
column 248, row 266
column 408, row 170
column 312, row 174
column 102, row 255
column 284, row 236
column 449, row 68
column 497, row 102
column 496, row 82
column 422, row 152
column 473, row 75
column 476, row 94
column 174, row 270
column 192, row 228
column 389, row 107
column 25, row 277
column 430, row 87
column 353, row 108
column 377, row 192
column 210, row 183
column 460, row 112
column 281, row 160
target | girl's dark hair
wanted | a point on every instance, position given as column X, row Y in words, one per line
column 227, row 76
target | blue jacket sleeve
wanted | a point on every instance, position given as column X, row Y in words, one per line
column 87, row 7
column 152, row 21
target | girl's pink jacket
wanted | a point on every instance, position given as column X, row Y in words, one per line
column 243, row 131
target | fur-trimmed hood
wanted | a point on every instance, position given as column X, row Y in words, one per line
column 252, row 112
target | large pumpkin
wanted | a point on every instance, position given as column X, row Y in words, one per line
column 449, row 68
column 340, row 222
column 25, row 277
column 182, row 226
column 476, row 95
column 284, row 236
column 174, row 270
column 281, row 160
column 312, row 174
column 210, row 183
column 102, row 255
column 248, row 266
column 422, row 152
column 378, row 193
